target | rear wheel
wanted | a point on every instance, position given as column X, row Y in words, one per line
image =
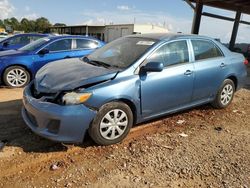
column 225, row 94
column 16, row 76
column 111, row 124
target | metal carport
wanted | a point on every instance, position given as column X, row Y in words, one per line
column 238, row 6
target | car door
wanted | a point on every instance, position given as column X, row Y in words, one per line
column 84, row 47
column 172, row 88
column 59, row 49
column 17, row 42
column 210, row 67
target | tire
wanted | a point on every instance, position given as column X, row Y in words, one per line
column 225, row 94
column 16, row 77
column 106, row 129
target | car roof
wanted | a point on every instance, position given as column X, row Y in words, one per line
column 169, row 36
column 30, row 34
column 55, row 37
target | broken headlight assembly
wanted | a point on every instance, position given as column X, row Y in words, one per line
column 73, row 98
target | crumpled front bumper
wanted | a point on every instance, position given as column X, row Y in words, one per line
column 55, row 122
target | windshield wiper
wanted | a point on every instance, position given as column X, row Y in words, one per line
column 95, row 62
column 100, row 63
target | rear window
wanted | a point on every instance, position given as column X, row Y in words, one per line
column 60, row 45
column 205, row 50
column 84, row 43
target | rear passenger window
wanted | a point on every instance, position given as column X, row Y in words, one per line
column 34, row 38
column 205, row 50
column 171, row 54
column 82, row 43
column 60, row 45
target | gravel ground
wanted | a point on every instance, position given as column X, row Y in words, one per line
column 202, row 147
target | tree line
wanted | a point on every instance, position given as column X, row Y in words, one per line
column 40, row 25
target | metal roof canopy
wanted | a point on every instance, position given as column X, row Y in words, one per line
column 239, row 6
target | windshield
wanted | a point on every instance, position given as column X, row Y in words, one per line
column 35, row 45
column 122, row 52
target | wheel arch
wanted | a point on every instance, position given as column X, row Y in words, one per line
column 131, row 105
column 234, row 79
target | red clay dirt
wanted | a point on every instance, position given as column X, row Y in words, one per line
column 202, row 147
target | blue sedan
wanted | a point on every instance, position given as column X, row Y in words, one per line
column 130, row 80
column 19, row 40
column 18, row 67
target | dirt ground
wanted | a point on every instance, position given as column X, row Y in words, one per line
column 202, row 147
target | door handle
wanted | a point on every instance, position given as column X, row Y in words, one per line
column 222, row 65
column 188, row 72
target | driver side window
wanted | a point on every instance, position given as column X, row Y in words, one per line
column 171, row 54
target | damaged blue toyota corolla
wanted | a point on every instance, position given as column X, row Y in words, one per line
column 128, row 81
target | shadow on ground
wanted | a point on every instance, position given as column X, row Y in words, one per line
column 14, row 132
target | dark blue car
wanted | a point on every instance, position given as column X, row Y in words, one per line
column 18, row 67
column 19, row 40
column 130, row 80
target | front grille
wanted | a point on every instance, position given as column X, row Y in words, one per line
column 46, row 97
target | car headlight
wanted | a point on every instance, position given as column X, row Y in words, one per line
column 75, row 98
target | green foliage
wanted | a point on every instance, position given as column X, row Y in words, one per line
column 40, row 25
column 1, row 23
column 60, row 25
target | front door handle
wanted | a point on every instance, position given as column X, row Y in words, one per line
column 66, row 57
column 188, row 72
column 222, row 65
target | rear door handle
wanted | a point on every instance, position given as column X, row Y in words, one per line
column 188, row 72
column 66, row 57
column 222, row 65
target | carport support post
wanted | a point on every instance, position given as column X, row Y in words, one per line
column 197, row 17
column 235, row 30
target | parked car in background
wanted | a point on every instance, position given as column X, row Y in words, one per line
column 19, row 40
column 130, row 80
column 18, row 67
column 3, row 35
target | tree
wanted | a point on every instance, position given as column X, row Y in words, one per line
column 42, row 25
column 7, row 25
column 39, row 25
column 14, row 23
column 1, row 24
column 25, row 25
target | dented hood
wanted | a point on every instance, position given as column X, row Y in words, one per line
column 69, row 74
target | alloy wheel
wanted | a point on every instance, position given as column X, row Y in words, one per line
column 113, row 124
column 227, row 94
column 17, row 77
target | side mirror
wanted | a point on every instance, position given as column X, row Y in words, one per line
column 43, row 51
column 5, row 44
column 153, row 67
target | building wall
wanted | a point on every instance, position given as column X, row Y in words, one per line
column 109, row 33
column 95, row 31
column 149, row 29
column 113, row 32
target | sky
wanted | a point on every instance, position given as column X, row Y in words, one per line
column 175, row 15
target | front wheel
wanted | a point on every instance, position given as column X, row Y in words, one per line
column 225, row 94
column 111, row 124
column 16, row 77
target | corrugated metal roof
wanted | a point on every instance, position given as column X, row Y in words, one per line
column 233, row 5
